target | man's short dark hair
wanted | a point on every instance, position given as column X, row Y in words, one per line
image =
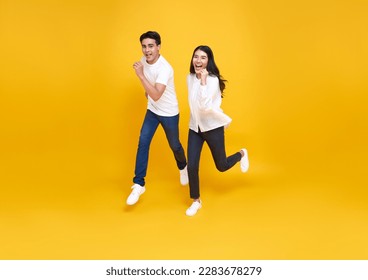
column 151, row 35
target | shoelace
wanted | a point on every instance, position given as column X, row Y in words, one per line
column 195, row 205
column 135, row 191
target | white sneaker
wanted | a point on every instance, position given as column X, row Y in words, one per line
column 193, row 209
column 244, row 162
column 184, row 176
column 137, row 190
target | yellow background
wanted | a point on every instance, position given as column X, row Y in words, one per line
column 71, row 108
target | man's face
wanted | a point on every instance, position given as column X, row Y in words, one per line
column 150, row 50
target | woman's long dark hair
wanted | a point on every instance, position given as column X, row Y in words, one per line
column 211, row 66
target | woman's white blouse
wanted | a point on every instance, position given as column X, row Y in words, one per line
column 204, row 103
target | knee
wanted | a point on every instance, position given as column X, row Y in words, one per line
column 176, row 147
column 144, row 141
column 221, row 167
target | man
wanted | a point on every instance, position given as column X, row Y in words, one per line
column 157, row 78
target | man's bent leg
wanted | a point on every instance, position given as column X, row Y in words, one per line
column 148, row 129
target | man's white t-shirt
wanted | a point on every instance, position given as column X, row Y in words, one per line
column 161, row 72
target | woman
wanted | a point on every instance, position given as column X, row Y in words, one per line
column 207, row 121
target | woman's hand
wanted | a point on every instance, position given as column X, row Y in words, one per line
column 204, row 74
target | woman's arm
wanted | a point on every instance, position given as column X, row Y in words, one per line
column 208, row 89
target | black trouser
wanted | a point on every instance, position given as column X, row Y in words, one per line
column 216, row 141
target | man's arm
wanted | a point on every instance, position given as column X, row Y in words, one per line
column 154, row 91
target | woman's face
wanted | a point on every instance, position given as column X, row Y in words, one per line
column 200, row 61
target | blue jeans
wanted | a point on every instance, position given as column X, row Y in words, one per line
column 149, row 127
column 216, row 142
